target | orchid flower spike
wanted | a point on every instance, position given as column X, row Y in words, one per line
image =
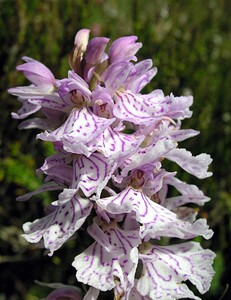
column 110, row 140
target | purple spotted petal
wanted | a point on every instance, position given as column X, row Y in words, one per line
column 198, row 228
column 95, row 50
column 114, row 144
column 98, row 267
column 92, row 173
column 178, row 107
column 140, row 109
column 62, row 174
column 103, row 102
column 81, row 127
column 57, row 166
column 147, row 155
column 195, row 165
column 166, row 267
column 99, row 236
column 155, row 181
column 55, row 116
column 55, row 160
column 60, row 225
column 31, row 91
column 48, row 186
column 156, row 220
column 100, row 96
column 140, row 76
column 37, row 73
column 124, row 48
column 138, row 70
column 26, row 110
column 52, row 102
column 41, row 123
column 182, row 134
column 136, row 86
column 190, row 194
column 115, row 75
column 174, row 131
column 65, row 196
column 74, row 90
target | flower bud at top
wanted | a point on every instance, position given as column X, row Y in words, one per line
column 80, row 46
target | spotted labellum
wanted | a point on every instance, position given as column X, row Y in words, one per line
column 110, row 141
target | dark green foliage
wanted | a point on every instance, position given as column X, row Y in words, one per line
column 190, row 44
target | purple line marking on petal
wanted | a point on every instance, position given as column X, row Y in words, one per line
column 123, row 198
column 119, row 235
column 146, row 206
column 80, row 162
column 159, row 275
column 79, row 203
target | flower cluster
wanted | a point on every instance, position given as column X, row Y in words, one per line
column 110, row 142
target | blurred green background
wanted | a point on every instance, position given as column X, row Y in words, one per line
column 189, row 42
